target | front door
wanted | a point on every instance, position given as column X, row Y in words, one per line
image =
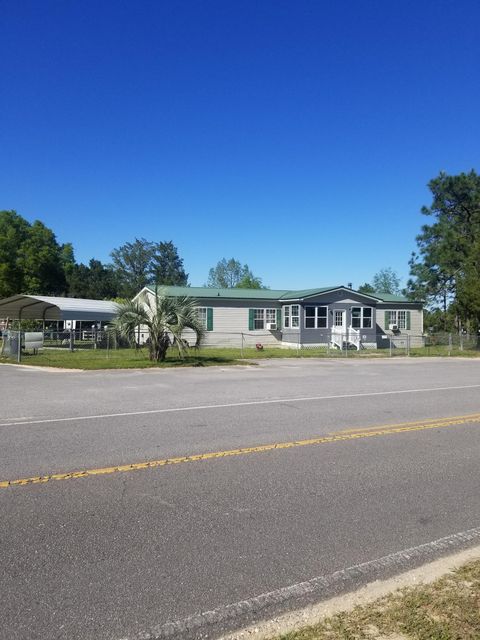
column 339, row 327
column 339, row 320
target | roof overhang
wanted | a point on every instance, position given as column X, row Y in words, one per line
column 26, row 307
column 327, row 291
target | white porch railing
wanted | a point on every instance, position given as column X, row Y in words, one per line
column 342, row 337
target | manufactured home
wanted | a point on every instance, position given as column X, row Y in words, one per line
column 328, row 316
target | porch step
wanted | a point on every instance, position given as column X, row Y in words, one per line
column 346, row 344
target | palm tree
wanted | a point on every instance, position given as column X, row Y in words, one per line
column 165, row 318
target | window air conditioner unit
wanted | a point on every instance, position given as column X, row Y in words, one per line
column 272, row 326
column 393, row 327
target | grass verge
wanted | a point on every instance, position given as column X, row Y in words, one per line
column 89, row 358
column 119, row 359
column 447, row 609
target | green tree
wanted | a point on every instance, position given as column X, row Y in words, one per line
column 67, row 257
column 30, row 257
column 165, row 319
column 386, row 281
column 142, row 262
column 366, row 288
column 249, row 281
column 41, row 261
column 95, row 280
column 133, row 263
column 168, row 266
column 13, row 233
column 446, row 269
column 230, row 274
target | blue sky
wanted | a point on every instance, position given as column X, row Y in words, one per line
column 297, row 137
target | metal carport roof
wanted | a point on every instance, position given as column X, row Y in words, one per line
column 52, row 308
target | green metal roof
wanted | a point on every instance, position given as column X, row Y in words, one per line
column 267, row 294
column 389, row 297
column 307, row 293
column 232, row 294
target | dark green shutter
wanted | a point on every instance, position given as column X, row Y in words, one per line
column 387, row 318
column 209, row 319
column 408, row 320
column 279, row 318
column 251, row 316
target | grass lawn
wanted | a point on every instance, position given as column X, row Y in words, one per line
column 448, row 609
column 119, row 359
column 89, row 358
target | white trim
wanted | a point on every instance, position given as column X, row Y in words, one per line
column 362, row 317
column 264, row 309
column 343, row 326
column 291, row 315
column 327, row 291
column 315, row 317
column 396, row 321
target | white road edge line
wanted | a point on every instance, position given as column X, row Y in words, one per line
column 318, row 587
column 201, row 407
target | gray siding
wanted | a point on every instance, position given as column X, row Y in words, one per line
column 416, row 317
column 415, row 332
column 335, row 300
column 231, row 321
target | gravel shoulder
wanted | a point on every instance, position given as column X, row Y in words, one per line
column 298, row 623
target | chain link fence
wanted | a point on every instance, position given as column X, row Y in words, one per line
column 91, row 348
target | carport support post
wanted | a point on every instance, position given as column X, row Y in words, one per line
column 390, row 341
column 408, row 345
column 19, row 346
column 72, row 337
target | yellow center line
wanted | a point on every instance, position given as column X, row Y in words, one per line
column 338, row 437
column 410, row 424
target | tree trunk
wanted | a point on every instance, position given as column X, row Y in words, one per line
column 159, row 348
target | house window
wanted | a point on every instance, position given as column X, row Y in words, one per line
column 401, row 318
column 362, row 317
column 316, row 317
column 291, row 316
column 205, row 315
column 202, row 316
column 270, row 316
column 259, row 318
column 295, row 315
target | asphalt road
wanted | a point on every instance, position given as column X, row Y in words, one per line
column 394, row 465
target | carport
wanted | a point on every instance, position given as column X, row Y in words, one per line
column 47, row 308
